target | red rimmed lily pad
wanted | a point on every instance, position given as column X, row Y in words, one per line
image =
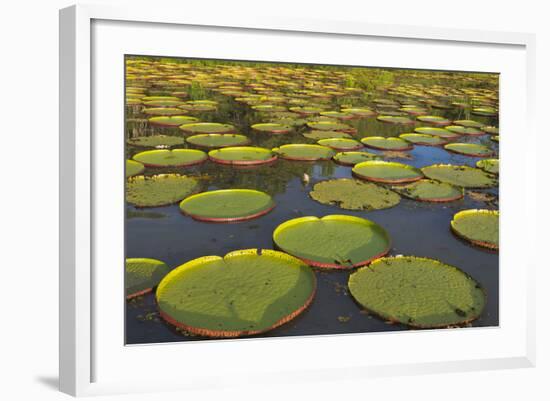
column 352, row 158
column 330, row 126
column 340, row 143
column 159, row 190
column 479, row 227
column 171, row 158
column 162, row 111
column 435, row 120
column 469, row 149
column 462, row 176
column 171, row 121
column 434, row 131
column 430, row 191
column 468, row 123
column 383, row 143
column 218, row 140
column 489, row 165
column 242, row 155
column 142, row 275
column 395, row 120
column 360, row 112
column 207, row 128
column 304, row 152
column 156, row 140
column 387, row 172
column 334, row 241
column 317, row 134
column 461, row 130
column 485, row 111
column 273, row 128
column 424, row 139
column 133, row 168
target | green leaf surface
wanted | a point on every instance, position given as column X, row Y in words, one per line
column 382, row 143
column 462, row 176
column 159, row 190
column 430, row 191
column 133, row 168
column 479, row 227
column 304, row 152
column 218, row 140
column 143, row 274
column 386, row 172
column 170, row 158
column 156, row 140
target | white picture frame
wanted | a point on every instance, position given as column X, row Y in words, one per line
column 84, row 353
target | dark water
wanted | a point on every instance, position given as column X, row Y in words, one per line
column 416, row 228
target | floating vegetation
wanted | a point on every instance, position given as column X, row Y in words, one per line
column 272, row 128
column 468, row 123
column 359, row 112
column 479, row 227
column 142, row 275
column 490, row 130
column 330, row 126
column 382, row 143
column 430, row 191
column 268, row 108
column 227, row 205
column 242, row 155
column 340, row 143
column 341, row 115
column 171, row 120
column 171, row 158
column 441, row 132
column 317, row 134
column 244, row 293
column 469, row 149
column 489, row 165
column 162, row 111
column 462, row 176
column 218, row 140
column 334, row 241
column 436, row 120
column 306, row 111
column 461, row 130
column 484, row 111
column 395, row 120
column 159, row 190
column 156, row 140
column 495, row 138
column 352, row 158
column 352, row 194
column 207, row 128
column 133, row 168
column 418, row 292
column 304, row 152
column 387, row 172
column 424, row 139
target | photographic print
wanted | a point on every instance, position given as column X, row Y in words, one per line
column 272, row 199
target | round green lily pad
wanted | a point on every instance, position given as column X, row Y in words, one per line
column 469, row 149
column 490, row 130
column 162, row 111
column 171, row 121
column 430, row 191
column 334, row 241
column 495, row 138
column 268, row 108
column 171, row 158
column 382, row 143
column 485, row 111
column 352, row 158
column 207, row 128
column 359, row 112
column 218, row 140
column 159, row 190
column 462, row 176
column 242, row 155
column 436, row 120
column 479, row 227
column 341, row 115
column 305, row 110
column 159, row 98
column 142, row 275
column 304, row 152
column 440, row 132
column 163, row 103
column 317, row 134
column 469, row 123
column 350, row 194
column 133, row 168
column 386, row 172
column 340, row 143
column 246, row 292
column 489, row 165
column 395, row 120
column 226, row 205
column 418, row 292
column 156, row 140
column 423, row 139
column 461, row 130
column 329, row 126
column 273, row 128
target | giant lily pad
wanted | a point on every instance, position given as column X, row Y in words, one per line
column 469, row 149
column 341, row 115
column 171, row 121
column 480, row 227
column 244, row 293
column 441, row 132
column 226, row 205
column 318, row 134
column 162, row 111
column 242, row 155
column 304, row 152
column 359, row 112
column 142, row 275
column 330, row 126
column 159, row 190
column 436, row 120
column 163, row 103
column 395, row 120
column 269, row 108
column 495, row 138
column 156, row 140
column 418, row 292
column 352, row 158
column 423, row 139
column 386, row 172
column 461, row 130
column 334, row 241
column 485, row 111
column 218, row 140
column 306, row 110
column 430, row 191
column 133, row 168
column 490, row 129
column 273, row 128
column 207, row 128
column 489, row 165
column 171, row 158
column 468, row 123
column 340, row 143
column 462, row 176
column 352, row 194
column 382, row 143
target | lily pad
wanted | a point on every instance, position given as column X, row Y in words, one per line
column 441, row 132
column 424, row 139
column 341, row 115
column 382, row 143
column 490, row 130
column 461, row 130
column 244, row 293
column 133, row 168
column 462, row 176
column 330, row 126
column 340, row 143
column 479, row 227
column 268, row 108
column 334, row 241
column 273, row 128
column 227, row 205
column 489, row 165
column 242, row 155
column 207, row 128
column 163, row 103
column 159, row 190
column 395, row 120
column 485, row 111
column 430, row 191
column 469, row 149
column 386, row 172
column 495, row 138
column 317, row 134
column 142, row 275
column 469, row 123
column 218, row 140
column 436, row 120
column 162, row 111
column 304, row 152
column 171, row 121
column 359, row 112
column 352, row 158
column 171, row 158
column 306, row 110
column 156, row 140
column 418, row 292
column 352, row 194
